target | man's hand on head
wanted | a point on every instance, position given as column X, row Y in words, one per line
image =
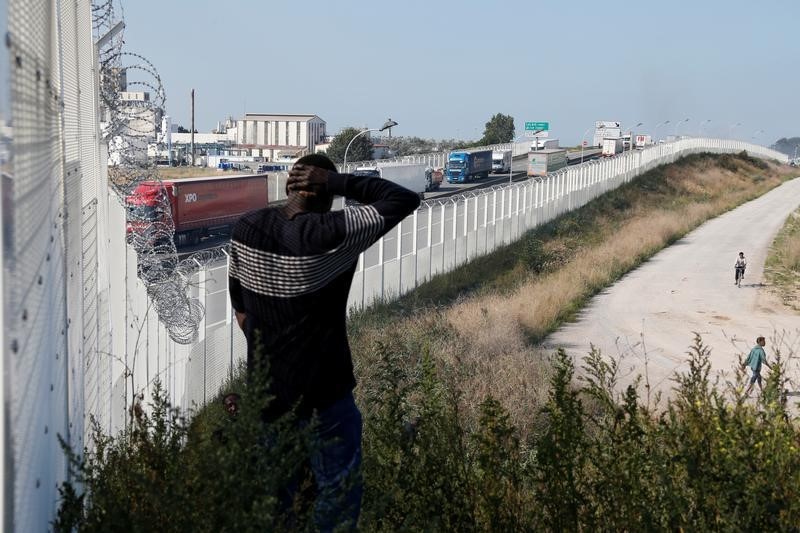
column 307, row 180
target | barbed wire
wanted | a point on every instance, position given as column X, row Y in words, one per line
column 129, row 126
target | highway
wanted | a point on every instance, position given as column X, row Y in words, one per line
column 519, row 168
column 519, row 172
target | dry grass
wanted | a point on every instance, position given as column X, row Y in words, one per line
column 487, row 338
column 783, row 263
column 481, row 357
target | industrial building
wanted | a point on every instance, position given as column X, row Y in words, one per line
column 277, row 137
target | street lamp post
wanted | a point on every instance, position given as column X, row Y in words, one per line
column 700, row 131
column 658, row 126
column 583, row 141
column 630, row 141
column 386, row 125
column 731, row 128
column 678, row 125
column 511, row 168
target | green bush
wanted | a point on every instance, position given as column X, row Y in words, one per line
column 599, row 460
column 163, row 474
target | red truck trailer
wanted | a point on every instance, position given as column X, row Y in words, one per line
column 200, row 206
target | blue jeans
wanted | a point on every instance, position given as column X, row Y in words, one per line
column 335, row 459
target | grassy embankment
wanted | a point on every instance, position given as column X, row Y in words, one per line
column 468, row 427
column 782, row 268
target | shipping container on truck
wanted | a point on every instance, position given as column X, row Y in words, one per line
column 501, row 161
column 200, row 207
column 612, row 147
column 465, row 165
column 543, row 162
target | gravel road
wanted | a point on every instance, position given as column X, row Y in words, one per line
column 688, row 287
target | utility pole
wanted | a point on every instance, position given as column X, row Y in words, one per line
column 192, row 129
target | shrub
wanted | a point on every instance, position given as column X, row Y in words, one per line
column 598, row 460
column 161, row 474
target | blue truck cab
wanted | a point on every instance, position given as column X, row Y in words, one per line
column 464, row 166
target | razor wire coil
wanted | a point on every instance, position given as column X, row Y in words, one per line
column 129, row 124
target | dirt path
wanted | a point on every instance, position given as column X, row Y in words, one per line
column 689, row 287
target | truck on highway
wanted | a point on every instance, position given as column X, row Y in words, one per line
column 543, row 162
column 465, row 165
column 200, row 207
column 415, row 177
column 544, row 144
column 640, row 141
column 612, row 146
column 501, row 161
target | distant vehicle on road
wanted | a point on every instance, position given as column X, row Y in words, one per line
column 200, row 207
column 464, row 166
column 641, row 141
column 236, row 167
column 542, row 162
column 369, row 172
column 612, row 147
column 501, row 161
column 415, row 177
column 272, row 167
column 544, row 144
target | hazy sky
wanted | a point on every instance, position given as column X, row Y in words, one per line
column 442, row 68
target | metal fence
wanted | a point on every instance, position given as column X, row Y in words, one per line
column 53, row 259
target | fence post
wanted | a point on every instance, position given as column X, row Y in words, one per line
column 414, row 244
column 430, row 244
column 441, row 229
column 466, row 236
column 485, row 222
column 380, row 262
column 400, row 257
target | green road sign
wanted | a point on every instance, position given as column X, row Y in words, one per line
column 537, row 126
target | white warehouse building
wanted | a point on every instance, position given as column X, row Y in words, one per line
column 276, row 137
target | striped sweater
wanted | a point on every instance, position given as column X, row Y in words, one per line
column 291, row 277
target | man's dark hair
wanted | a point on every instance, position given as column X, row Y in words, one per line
column 759, row 339
column 228, row 395
column 317, row 160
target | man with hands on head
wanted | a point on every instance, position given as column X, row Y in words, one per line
column 290, row 273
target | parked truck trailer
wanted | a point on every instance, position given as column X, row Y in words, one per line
column 464, row 165
column 200, row 207
column 543, row 162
